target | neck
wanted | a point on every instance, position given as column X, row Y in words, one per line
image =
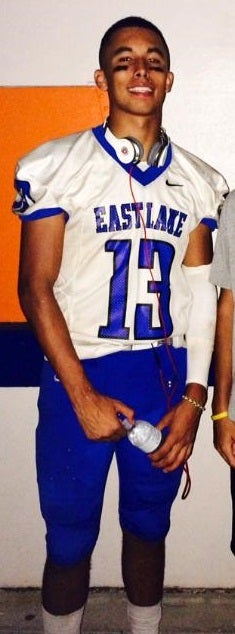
column 144, row 129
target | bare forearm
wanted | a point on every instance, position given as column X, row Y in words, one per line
column 197, row 392
column 223, row 353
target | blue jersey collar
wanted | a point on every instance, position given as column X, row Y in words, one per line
column 143, row 177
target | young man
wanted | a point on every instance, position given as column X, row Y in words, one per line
column 115, row 256
column 223, row 404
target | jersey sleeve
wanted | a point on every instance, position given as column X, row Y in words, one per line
column 37, row 181
column 211, row 188
column 204, row 187
column 217, row 190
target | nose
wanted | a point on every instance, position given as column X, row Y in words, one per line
column 141, row 68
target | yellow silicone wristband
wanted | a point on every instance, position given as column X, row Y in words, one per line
column 220, row 416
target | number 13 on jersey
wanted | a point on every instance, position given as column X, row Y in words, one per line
column 123, row 284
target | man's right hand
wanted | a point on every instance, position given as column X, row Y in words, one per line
column 98, row 415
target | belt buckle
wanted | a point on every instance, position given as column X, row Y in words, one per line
column 167, row 341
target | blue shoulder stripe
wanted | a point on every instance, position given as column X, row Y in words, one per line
column 210, row 222
column 44, row 213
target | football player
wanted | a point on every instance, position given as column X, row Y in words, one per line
column 114, row 279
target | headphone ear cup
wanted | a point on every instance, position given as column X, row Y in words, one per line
column 153, row 153
column 125, row 150
column 157, row 154
column 128, row 150
column 138, row 149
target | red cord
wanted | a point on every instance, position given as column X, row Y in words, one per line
column 168, row 396
column 187, row 486
column 165, row 337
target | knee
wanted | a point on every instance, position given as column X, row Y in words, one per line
column 69, row 548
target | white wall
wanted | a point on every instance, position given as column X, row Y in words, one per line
column 55, row 42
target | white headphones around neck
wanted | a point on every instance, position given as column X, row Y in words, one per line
column 130, row 150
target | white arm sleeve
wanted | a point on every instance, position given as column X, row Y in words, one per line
column 201, row 326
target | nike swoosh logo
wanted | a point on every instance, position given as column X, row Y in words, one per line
column 173, row 184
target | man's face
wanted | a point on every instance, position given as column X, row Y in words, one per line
column 135, row 72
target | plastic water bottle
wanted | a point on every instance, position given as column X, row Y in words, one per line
column 143, row 435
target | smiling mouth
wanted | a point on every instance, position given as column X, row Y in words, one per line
column 143, row 90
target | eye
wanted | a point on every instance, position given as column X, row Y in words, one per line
column 153, row 60
column 156, row 64
column 123, row 63
column 126, row 59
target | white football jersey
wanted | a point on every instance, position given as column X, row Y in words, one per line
column 127, row 228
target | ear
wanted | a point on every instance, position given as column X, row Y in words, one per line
column 100, row 79
column 169, row 81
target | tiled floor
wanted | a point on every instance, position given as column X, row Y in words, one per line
column 184, row 612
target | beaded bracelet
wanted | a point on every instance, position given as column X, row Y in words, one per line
column 219, row 416
column 194, row 402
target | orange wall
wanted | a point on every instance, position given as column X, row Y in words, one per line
column 30, row 116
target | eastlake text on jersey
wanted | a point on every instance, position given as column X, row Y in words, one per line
column 132, row 215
